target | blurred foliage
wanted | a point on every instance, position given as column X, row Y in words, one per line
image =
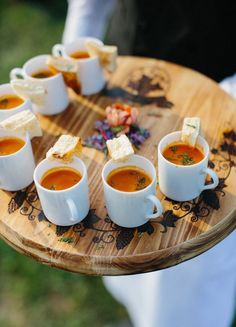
column 32, row 294
column 28, row 28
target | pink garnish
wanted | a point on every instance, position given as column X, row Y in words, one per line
column 119, row 114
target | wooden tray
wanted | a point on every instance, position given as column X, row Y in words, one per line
column 165, row 93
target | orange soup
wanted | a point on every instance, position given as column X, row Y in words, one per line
column 60, row 178
column 9, row 145
column 128, row 179
column 182, row 154
column 44, row 73
column 10, row 102
column 80, row 55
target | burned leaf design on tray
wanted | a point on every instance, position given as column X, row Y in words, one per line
column 26, row 201
column 16, row 201
column 118, row 92
column 124, row 238
column 214, row 151
column 211, row 164
column 42, row 217
column 61, row 230
column 231, row 134
column 221, row 186
column 229, row 147
column 91, row 219
column 103, row 235
column 88, row 223
column 146, row 228
column 145, row 85
column 210, row 198
column 229, row 144
column 168, row 220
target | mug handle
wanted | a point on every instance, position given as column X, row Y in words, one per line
column 58, row 50
column 73, row 210
column 213, row 176
column 17, row 73
column 157, row 204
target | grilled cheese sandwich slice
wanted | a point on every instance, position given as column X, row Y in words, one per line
column 62, row 64
column 107, row 54
column 33, row 90
column 190, row 130
column 120, row 148
column 65, row 148
column 22, row 122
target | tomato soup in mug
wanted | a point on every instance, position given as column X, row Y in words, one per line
column 60, row 178
column 80, row 55
column 10, row 102
column 44, row 73
column 182, row 154
column 128, row 179
column 10, row 145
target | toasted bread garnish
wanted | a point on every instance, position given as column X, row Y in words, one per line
column 22, row 122
column 190, row 130
column 120, row 148
column 107, row 54
column 65, row 148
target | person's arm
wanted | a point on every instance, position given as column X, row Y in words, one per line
column 87, row 18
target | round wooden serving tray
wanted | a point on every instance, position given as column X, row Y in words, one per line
column 164, row 93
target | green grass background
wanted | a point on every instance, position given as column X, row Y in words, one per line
column 32, row 294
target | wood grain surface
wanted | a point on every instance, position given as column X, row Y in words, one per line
column 164, row 93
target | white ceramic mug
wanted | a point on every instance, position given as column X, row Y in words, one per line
column 90, row 74
column 56, row 96
column 64, row 207
column 184, row 183
column 6, row 89
column 131, row 209
column 17, row 169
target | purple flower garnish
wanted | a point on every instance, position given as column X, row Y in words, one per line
column 136, row 135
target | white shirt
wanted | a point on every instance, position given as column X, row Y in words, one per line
column 87, row 18
column 196, row 293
